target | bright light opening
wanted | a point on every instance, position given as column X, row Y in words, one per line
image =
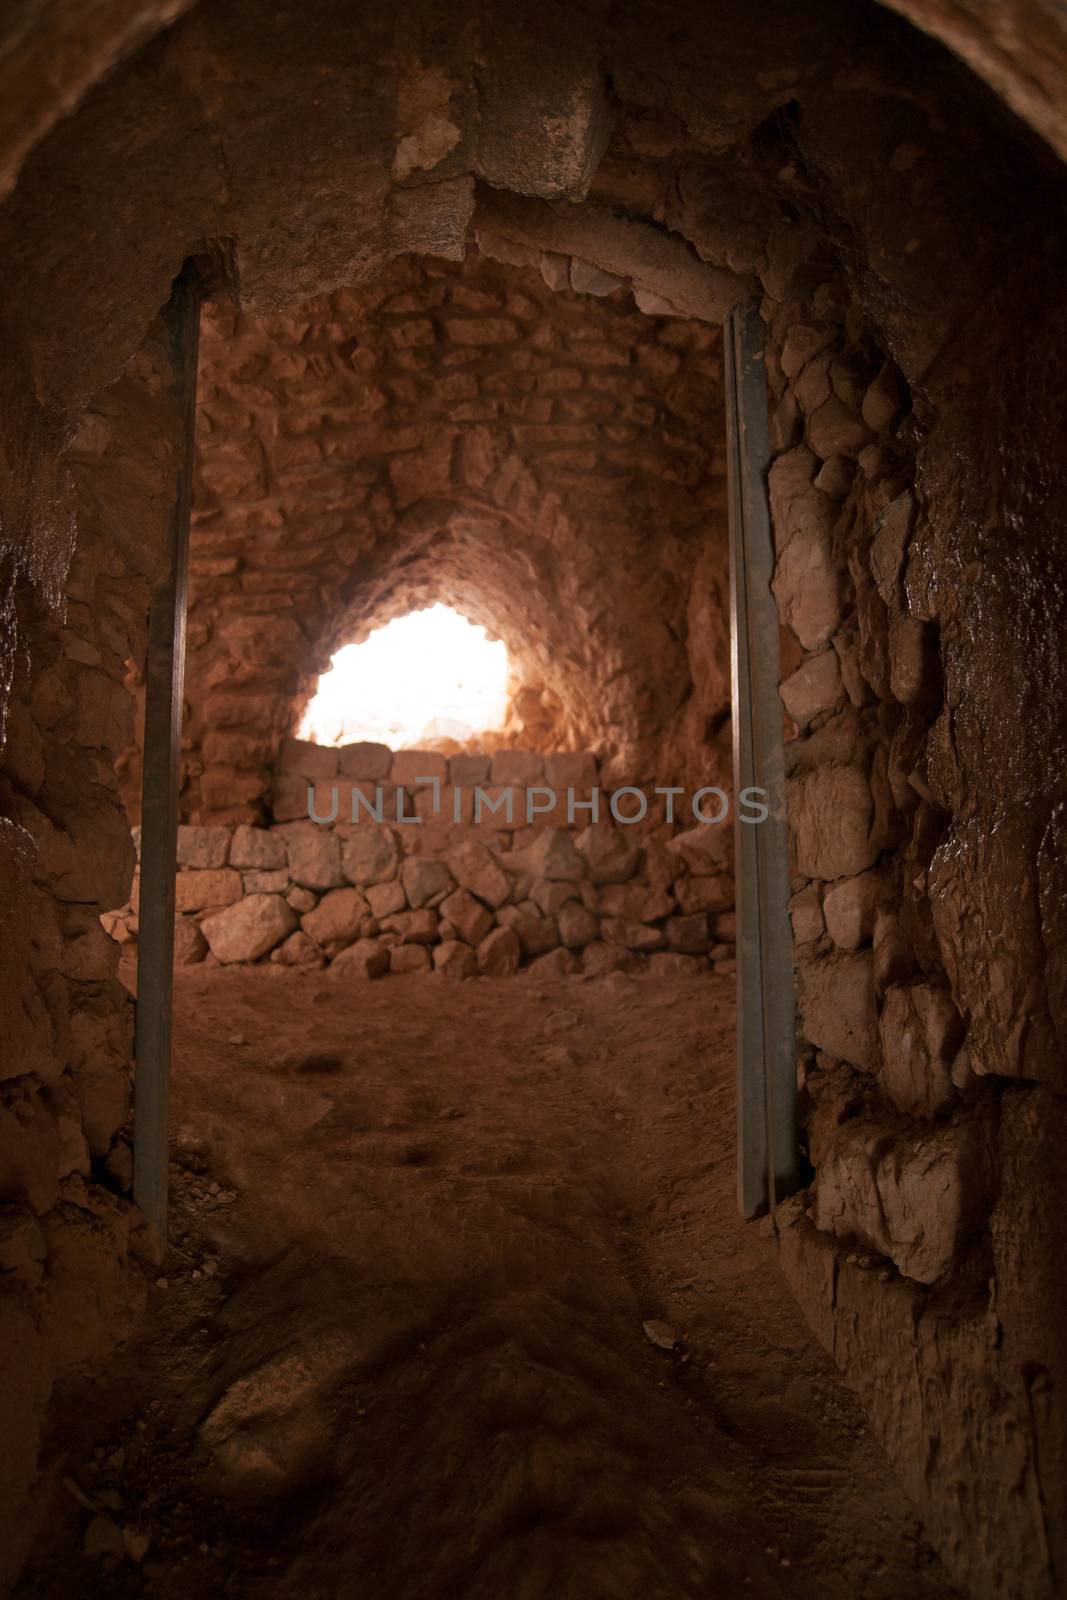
column 428, row 676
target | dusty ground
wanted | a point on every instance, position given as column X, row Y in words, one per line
column 398, row 1352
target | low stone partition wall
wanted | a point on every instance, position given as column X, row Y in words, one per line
column 459, row 899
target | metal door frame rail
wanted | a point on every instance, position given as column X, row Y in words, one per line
column 766, row 1100
column 768, row 1145
column 164, row 686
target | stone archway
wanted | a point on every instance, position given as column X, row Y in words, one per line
column 470, row 434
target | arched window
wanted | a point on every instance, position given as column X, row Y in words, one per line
column 428, row 676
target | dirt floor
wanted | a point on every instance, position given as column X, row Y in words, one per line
column 399, row 1350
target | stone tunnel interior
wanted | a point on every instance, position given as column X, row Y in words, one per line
column 451, row 1294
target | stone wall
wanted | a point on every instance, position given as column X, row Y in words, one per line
column 903, row 1249
column 72, row 1248
column 474, row 871
column 524, row 445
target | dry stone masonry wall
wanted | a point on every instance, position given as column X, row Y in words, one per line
column 908, row 1136
column 563, row 893
column 888, row 1080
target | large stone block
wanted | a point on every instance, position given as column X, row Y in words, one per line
column 465, row 771
column 807, row 582
column 805, row 912
column 635, row 902
column 473, row 867
column 495, row 809
column 850, row 908
column 364, row 959
column 425, row 880
column 500, row 953
column 467, row 915
column 307, row 760
column 407, row 958
column 337, row 920
column 831, row 812
column 551, row 855
column 601, row 958
column 536, row 934
column 889, row 546
column 190, row 946
column 249, row 929
column 196, row 891
column 289, row 797
column 443, row 808
column 835, row 430
column 577, row 926
column 571, row 769
column 104, row 1096
column 203, row 847
column 521, row 767
column 837, row 1006
column 813, row 688
column 807, row 587
column 802, row 343
column 370, row 854
column 412, row 767
column 704, row 894
column 663, row 868
column 385, row 899
column 912, row 660
column 688, row 935
column 672, row 964
column 455, row 961
column 259, row 849
column 920, row 1032
column 911, row 1198
column 314, row 856
column 885, row 399
column 610, row 854
column 558, row 963
column 546, row 119
column 414, row 927
column 365, row 760
column 276, row 882
column 88, row 955
column 298, row 951
column 550, row 894
column 706, row 849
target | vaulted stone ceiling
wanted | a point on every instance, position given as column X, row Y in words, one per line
column 549, row 462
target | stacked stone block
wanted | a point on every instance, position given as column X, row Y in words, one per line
column 462, row 898
column 888, row 1077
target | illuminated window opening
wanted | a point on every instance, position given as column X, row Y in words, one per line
column 423, row 678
